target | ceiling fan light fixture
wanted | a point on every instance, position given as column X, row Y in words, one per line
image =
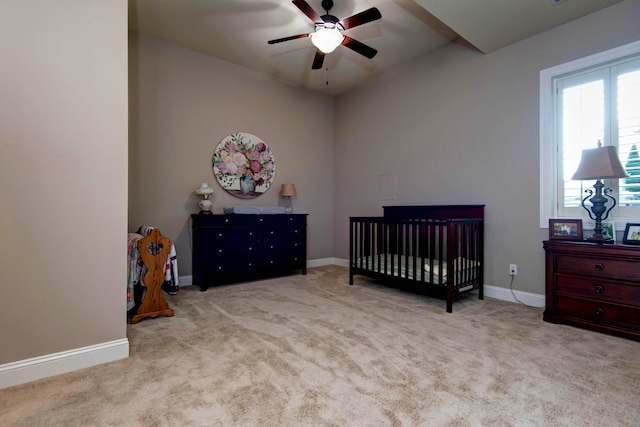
column 327, row 38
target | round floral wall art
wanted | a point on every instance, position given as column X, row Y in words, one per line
column 243, row 165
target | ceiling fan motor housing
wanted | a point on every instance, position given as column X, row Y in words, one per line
column 329, row 21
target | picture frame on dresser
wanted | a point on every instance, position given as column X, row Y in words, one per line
column 565, row 229
column 609, row 230
column 631, row 234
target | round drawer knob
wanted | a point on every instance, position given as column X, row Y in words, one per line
column 599, row 267
column 599, row 311
column 599, row 289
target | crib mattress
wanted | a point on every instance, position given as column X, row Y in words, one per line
column 435, row 271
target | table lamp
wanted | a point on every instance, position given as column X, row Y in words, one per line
column 288, row 191
column 599, row 163
column 204, row 192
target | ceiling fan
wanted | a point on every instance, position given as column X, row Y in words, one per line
column 328, row 32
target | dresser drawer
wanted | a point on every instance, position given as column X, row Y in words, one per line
column 600, row 311
column 599, row 289
column 606, row 268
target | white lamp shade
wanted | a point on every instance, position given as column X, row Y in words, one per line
column 327, row 39
column 600, row 163
column 204, row 190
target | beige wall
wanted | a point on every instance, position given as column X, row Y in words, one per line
column 63, row 175
column 183, row 103
column 458, row 126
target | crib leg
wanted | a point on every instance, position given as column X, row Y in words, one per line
column 449, row 299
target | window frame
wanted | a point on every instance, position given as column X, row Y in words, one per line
column 548, row 125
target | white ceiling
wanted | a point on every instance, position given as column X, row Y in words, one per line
column 237, row 31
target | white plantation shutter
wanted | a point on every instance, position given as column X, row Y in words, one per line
column 600, row 103
column 628, row 129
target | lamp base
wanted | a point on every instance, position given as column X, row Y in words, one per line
column 205, row 213
column 599, row 238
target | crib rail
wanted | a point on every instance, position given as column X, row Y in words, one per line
column 443, row 254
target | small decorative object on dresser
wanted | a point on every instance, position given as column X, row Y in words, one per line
column 237, row 247
column 204, row 191
column 593, row 286
column 565, row 229
column 609, row 230
column 631, row 234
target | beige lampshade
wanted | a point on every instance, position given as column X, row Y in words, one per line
column 288, row 190
column 600, row 163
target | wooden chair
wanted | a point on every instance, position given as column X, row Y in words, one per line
column 154, row 251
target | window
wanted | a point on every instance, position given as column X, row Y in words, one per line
column 583, row 102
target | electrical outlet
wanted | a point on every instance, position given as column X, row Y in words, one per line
column 513, row 269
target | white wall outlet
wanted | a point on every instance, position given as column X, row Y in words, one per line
column 513, row 269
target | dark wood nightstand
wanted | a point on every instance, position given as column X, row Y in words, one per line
column 593, row 286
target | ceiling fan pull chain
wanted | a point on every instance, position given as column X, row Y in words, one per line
column 326, row 78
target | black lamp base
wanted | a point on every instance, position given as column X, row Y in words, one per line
column 600, row 211
column 599, row 238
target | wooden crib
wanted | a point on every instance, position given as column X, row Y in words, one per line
column 438, row 250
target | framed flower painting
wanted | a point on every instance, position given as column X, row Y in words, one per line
column 243, row 165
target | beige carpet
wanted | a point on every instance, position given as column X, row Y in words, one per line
column 314, row 351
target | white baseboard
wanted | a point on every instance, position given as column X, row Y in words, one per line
column 28, row 370
column 327, row 261
column 185, row 280
column 319, row 262
column 37, row 368
column 534, row 300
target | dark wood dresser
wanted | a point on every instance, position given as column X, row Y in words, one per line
column 593, row 286
column 234, row 248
